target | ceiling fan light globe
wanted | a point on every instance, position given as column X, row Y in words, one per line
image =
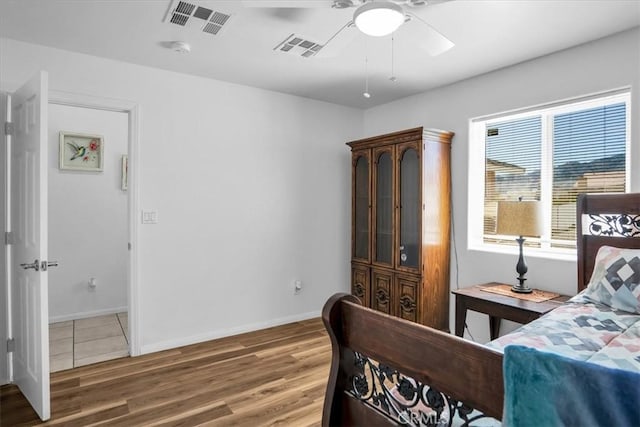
column 378, row 18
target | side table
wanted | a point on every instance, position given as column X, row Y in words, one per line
column 499, row 307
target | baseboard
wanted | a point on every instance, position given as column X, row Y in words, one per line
column 85, row 314
column 194, row 339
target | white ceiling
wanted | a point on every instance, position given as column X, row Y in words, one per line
column 487, row 34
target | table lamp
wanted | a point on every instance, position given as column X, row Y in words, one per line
column 521, row 218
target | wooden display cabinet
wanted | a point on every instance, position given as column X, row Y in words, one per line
column 401, row 189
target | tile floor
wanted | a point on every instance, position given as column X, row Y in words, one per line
column 82, row 342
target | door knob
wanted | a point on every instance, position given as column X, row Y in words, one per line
column 35, row 265
column 46, row 264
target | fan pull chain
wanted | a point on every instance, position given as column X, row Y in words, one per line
column 393, row 73
column 366, row 93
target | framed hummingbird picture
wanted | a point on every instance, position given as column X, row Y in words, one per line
column 81, row 152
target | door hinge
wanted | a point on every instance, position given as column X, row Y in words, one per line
column 129, row 246
column 8, row 238
column 11, row 345
column 8, row 128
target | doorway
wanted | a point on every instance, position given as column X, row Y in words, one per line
column 128, row 322
column 88, row 235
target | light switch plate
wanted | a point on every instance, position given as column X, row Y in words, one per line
column 149, row 217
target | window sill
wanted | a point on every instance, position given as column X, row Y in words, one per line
column 556, row 255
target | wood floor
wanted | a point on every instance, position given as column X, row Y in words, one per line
column 275, row 376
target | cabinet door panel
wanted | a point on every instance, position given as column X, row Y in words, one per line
column 361, row 205
column 381, row 296
column 360, row 285
column 407, row 291
column 409, row 206
column 383, row 206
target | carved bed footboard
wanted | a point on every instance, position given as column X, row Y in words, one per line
column 388, row 371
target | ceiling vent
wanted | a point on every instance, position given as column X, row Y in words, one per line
column 190, row 15
column 299, row 46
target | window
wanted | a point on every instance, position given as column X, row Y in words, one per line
column 551, row 154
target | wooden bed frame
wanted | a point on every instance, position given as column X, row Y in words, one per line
column 446, row 370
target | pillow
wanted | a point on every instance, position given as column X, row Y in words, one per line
column 616, row 279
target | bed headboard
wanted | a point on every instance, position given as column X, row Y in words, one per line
column 605, row 219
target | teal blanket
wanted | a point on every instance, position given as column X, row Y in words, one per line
column 545, row 389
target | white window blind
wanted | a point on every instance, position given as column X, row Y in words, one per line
column 589, row 156
column 549, row 154
column 512, row 165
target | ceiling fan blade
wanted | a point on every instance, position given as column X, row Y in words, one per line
column 288, row 14
column 296, row 4
column 426, row 37
column 421, row 3
column 338, row 41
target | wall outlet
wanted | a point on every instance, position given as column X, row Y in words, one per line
column 297, row 286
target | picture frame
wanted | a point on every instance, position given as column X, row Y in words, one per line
column 81, row 152
column 125, row 172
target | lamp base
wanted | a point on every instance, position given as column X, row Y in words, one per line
column 521, row 289
column 521, row 269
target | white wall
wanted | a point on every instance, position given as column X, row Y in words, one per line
column 88, row 230
column 609, row 63
column 252, row 189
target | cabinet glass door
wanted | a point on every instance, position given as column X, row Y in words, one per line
column 383, row 249
column 409, row 186
column 361, row 207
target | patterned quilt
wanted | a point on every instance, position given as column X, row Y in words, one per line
column 585, row 331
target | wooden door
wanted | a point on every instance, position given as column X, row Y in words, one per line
column 360, row 285
column 409, row 207
column 29, row 227
column 383, row 210
column 381, row 290
column 361, row 206
column 407, row 296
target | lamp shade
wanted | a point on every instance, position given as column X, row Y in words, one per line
column 378, row 18
column 522, row 218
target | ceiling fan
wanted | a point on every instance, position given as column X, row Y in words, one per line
column 374, row 18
